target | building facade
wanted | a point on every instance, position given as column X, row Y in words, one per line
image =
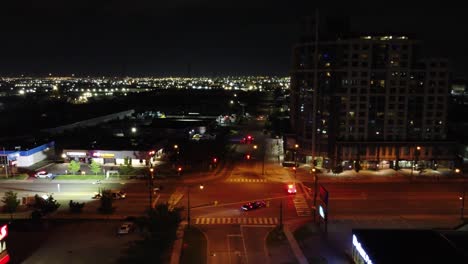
column 24, row 158
column 372, row 99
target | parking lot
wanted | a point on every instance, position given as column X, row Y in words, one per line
column 82, row 242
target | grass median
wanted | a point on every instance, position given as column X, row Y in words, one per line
column 80, row 177
column 194, row 247
column 22, row 176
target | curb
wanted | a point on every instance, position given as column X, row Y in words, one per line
column 294, row 246
column 177, row 247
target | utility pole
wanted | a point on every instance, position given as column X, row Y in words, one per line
column 462, row 208
column 6, row 162
column 315, row 88
column 281, row 215
column 263, row 163
column 315, row 193
column 150, row 188
column 188, row 206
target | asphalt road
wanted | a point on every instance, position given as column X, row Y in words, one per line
column 234, row 235
column 78, row 191
column 394, row 199
column 136, row 203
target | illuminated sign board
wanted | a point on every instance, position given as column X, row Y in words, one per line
column 323, row 194
column 75, row 153
column 3, row 232
column 103, row 155
column 321, row 212
column 4, row 257
column 361, row 251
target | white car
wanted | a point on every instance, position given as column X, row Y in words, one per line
column 43, row 175
column 125, row 228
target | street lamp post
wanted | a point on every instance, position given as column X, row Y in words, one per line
column 263, row 160
column 188, row 203
column 296, row 146
column 415, row 156
column 315, row 191
column 281, row 215
column 462, row 208
column 176, row 148
column 150, row 187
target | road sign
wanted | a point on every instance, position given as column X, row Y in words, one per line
column 323, row 194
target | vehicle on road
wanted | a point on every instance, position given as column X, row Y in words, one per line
column 44, row 175
column 118, row 195
column 247, row 140
column 292, row 188
column 125, row 228
column 253, row 205
column 97, row 196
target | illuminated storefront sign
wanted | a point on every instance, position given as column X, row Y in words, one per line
column 321, row 212
column 103, row 155
column 361, row 251
column 3, row 232
column 4, row 257
column 74, row 153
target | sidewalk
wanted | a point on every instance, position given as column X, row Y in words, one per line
column 403, row 175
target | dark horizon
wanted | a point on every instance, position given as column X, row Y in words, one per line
column 215, row 39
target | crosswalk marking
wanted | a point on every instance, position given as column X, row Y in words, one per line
column 245, row 180
column 302, row 208
column 236, row 220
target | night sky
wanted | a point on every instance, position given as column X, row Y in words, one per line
column 149, row 38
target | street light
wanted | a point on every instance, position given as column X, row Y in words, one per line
column 315, row 190
column 188, row 202
column 296, row 146
column 415, row 156
column 462, row 208
column 150, row 188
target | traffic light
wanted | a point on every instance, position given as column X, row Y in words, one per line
column 215, row 160
column 179, row 169
column 249, row 137
column 247, row 156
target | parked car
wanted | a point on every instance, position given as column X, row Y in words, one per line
column 253, row 205
column 125, row 228
column 43, row 175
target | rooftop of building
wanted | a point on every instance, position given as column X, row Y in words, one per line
column 22, row 144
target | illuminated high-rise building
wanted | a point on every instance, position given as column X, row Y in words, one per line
column 370, row 99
